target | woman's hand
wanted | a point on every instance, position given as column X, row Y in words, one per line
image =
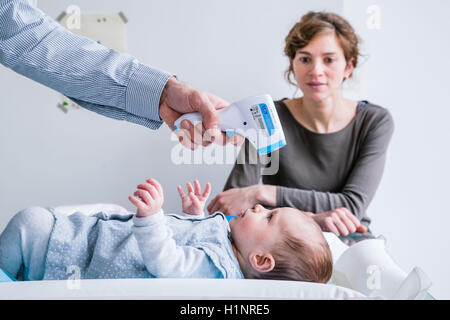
column 233, row 201
column 339, row 221
column 194, row 202
column 148, row 198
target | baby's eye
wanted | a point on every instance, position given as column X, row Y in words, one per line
column 269, row 216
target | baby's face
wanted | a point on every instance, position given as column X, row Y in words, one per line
column 260, row 229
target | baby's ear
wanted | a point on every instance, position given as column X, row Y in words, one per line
column 262, row 262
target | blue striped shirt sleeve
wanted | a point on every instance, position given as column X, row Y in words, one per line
column 99, row 79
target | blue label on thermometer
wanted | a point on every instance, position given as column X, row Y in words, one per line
column 267, row 118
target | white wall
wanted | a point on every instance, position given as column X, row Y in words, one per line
column 407, row 72
column 235, row 49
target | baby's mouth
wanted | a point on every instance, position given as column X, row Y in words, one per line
column 242, row 214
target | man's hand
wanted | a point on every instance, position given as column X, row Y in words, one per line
column 179, row 98
column 339, row 221
column 148, row 198
column 194, row 202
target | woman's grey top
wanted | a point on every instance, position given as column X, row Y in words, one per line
column 321, row 172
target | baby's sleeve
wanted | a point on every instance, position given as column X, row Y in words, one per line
column 162, row 257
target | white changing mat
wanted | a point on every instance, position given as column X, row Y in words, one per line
column 170, row 289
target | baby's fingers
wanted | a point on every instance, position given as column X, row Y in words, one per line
column 156, row 184
column 195, row 200
column 144, row 195
column 137, row 203
column 150, row 189
column 207, row 191
column 198, row 189
column 189, row 187
column 181, row 192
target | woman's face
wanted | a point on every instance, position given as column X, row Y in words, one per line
column 320, row 67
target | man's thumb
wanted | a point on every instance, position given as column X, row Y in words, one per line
column 211, row 122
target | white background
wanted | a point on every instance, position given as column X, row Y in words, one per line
column 235, row 49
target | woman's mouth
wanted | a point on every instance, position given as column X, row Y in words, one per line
column 316, row 85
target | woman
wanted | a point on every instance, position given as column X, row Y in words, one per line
column 336, row 147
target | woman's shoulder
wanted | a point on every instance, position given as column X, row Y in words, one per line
column 373, row 112
column 374, row 116
column 282, row 105
column 283, row 109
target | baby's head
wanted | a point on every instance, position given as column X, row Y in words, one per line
column 280, row 244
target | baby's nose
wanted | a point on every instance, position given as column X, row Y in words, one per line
column 258, row 208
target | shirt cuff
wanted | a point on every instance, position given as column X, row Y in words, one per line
column 144, row 92
column 149, row 220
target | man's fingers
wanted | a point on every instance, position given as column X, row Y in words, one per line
column 191, row 136
column 184, row 137
column 212, row 125
column 198, row 134
column 236, row 140
column 206, row 106
column 210, row 117
column 168, row 115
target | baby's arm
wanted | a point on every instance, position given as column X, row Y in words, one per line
column 162, row 256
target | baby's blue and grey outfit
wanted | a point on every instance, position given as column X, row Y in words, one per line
column 40, row 244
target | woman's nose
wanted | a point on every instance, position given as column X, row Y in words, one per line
column 317, row 68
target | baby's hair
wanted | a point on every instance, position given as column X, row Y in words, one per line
column 300, row 260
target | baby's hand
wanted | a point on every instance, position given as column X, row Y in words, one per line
column 148, row 198
column 194, row 202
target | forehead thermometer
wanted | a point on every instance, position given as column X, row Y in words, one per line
column 255, row 118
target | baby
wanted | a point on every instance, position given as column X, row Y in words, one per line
column 283, row 244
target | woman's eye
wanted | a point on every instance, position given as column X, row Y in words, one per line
column 328, row 60
column 304, row 59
